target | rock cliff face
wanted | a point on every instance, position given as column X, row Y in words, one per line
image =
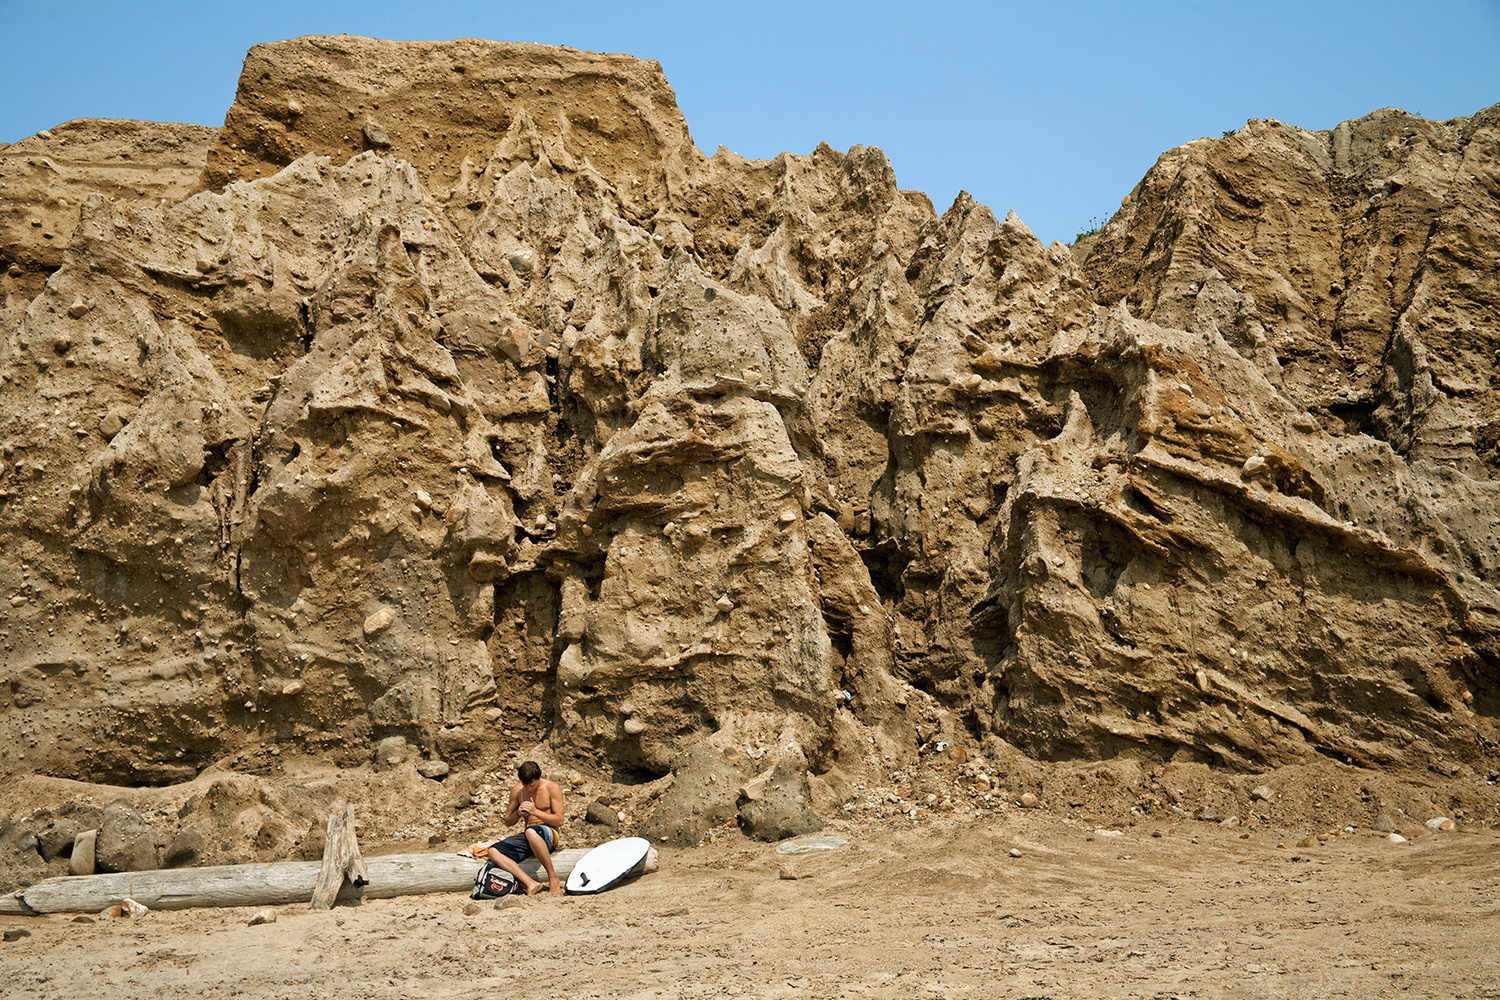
column 467, row 401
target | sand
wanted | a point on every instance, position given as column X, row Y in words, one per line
column 939, row 909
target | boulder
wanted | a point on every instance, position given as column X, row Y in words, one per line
column 391, row 752
column 186, row 849
column 126, row 842
column 83, row 861
column 704, row 791
column 781, row 806
column 437, row 770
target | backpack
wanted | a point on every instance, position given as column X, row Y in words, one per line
column 492, row 882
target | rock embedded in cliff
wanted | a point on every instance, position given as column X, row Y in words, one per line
column 391, row 752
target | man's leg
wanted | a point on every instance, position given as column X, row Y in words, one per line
column 530, row 884
column 544, row 855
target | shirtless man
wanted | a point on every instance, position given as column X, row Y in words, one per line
column 540, row 803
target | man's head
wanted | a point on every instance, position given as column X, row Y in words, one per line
column 529, row 773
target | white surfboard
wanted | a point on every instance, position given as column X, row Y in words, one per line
column 607, row 864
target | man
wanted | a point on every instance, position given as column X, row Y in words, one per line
column 540, row 803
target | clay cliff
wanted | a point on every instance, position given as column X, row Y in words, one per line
column 449, row 392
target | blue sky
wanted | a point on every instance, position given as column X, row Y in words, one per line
column 1053, row 109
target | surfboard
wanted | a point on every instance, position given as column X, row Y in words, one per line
column 607, row 864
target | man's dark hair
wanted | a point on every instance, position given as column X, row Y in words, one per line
column 529, row 772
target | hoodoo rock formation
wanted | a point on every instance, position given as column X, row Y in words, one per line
column 467, row 401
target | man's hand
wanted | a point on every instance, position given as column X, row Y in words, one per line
column 527, row 808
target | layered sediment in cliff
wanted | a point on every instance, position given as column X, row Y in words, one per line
column 467, row 401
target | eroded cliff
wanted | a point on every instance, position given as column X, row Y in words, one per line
column 467, row 401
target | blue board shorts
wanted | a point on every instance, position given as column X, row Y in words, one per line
column 517, row 848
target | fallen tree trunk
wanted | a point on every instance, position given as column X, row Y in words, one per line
column 275, row 884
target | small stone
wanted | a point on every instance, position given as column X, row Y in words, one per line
column 1467, row 696
column 291, row 687
column 84, row 919
column 434, row 769
column 1262, row 793
column 1202, row 678
column 1254, row 465
column 379, row 621
column 1209, row 816
column 470, row 909
column 788, row 872
column 634, row 727
column 1440, row 823
column 1027, row 800
column 132, row 909
column 376, row 137
column 78, row 308
column 424, row 500
column 1384, row 824
column 787, row 516
column 1231, row 821
column 294, row 106
column 1308, row 841
column 266, row 916
column 1015, row 852
column 17, row 933
column 1395, row 838
column 724, row 603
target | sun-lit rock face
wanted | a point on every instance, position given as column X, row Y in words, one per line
column 467, row 401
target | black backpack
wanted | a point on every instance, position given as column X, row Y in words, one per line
column 492, row 882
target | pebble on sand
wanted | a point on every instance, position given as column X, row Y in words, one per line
column 262, row 917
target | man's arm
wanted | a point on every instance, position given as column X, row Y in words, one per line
column 552, row 813
column 513, row 808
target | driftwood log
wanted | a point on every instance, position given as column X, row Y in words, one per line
column 277, row 884
column 342, row 863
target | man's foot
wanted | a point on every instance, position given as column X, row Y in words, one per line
column 555, row 888
column 535, row 887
